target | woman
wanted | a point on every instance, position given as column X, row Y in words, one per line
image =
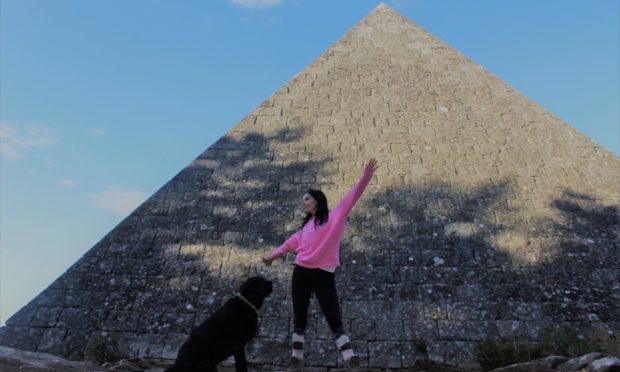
column 317, row 245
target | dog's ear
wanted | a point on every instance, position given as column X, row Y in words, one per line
column 267, row 287
column 243, row 288
column 255, row 289
column 250, row 285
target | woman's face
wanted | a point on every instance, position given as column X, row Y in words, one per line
column 309, row 203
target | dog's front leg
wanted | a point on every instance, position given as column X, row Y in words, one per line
column 241, row 364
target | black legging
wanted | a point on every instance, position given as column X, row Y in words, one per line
column 322, row 283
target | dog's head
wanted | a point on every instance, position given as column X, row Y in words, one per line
column 255, row 289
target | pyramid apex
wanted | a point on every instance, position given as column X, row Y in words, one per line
column 382, row 6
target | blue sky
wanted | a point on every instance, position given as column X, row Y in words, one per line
column 102, row 102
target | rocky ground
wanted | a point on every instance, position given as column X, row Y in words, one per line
column 26, row 361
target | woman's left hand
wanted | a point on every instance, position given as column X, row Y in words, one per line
column 267, row 261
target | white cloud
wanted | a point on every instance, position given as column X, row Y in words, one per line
column 8, row 151
column 119, row 200
column 6, row 131
column 97, row 133
column 64, row 182
column 36, row 136
column 256, row 3
column 13, row 142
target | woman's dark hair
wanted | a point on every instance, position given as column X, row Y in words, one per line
column 322, row 212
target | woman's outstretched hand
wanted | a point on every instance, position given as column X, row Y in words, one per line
column 371, row 166
column 267, row 261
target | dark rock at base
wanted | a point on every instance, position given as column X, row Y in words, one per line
column 591, row 362
column 138, row 364
column 29, row 361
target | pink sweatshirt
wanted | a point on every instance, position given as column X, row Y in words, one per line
column 320, row 246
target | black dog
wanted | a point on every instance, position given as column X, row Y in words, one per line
column 225, row 332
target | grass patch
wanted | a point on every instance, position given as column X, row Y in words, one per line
column 101, row 349
column 553, row 340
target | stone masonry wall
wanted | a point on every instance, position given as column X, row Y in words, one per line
column 488, row 218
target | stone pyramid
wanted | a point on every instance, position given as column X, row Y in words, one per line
column 488, row 218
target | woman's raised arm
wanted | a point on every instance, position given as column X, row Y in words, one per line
column 346, row 204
